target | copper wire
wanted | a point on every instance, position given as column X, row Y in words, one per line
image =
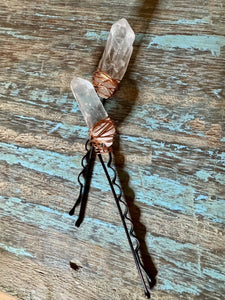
column 104, row 85
column 102, row 135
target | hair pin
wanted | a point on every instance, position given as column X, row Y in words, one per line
column 111, row 70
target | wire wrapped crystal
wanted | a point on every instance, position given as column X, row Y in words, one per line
column 101, row 127
column 115, row 59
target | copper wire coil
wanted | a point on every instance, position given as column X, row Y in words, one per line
column 102, row 135
column 104, row 85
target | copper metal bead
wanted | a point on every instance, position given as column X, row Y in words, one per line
column 102, row 135
column 104, row 85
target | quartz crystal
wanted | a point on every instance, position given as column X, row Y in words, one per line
column 88, row 101
column 118, row 50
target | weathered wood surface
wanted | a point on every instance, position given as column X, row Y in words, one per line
column 170, row 157
column 4, row 296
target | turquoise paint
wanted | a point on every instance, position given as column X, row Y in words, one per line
column 63, row 99
column 222, row 156
column 92, row 35
column 202, row 197
column 171, row 194
column 217, row 92
column 42, row 95
column 215, row 274
column 52, row 163
column 153, row 114
column 210, row 175
column 67, row 131
column 212, row 43
column 178, row 268
column 156, row 190
column 55, row 128
column 203, row 175
column 99, row 231
column 75, row 108
column 103, row 36
column 16, row 34
column 173, row 285
column 16, row 251
column 181, row 82
column 210, row 209
column 30, row 73
column 105, row 234
column 220, row 178
column 205, row 20
column 55, row 17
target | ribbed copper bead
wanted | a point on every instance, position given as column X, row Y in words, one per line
column 104, row 85
column 102, row 135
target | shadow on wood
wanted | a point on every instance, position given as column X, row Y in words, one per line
column 146, row 11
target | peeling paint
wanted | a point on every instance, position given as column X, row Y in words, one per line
column 212, row 43
column 92, row 35
column 16, row 251
column 105, row 235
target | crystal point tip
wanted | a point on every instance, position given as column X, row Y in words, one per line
column 88, row 101
column 118, row 50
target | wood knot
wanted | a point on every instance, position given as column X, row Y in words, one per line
column 102, row 135
column 104, row 85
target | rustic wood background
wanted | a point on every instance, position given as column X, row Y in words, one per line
column 169, row 151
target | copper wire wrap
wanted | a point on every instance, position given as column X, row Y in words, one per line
column 102, row 135
column 104, row 85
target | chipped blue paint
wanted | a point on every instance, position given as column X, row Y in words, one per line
column 171, row 285
column 203, row 175
column 45, row 217
column 181, row 82
column 66, row 131
column 212, row 43
column 205, row 20
column 16, row 34
column 211, row 209
column 217, row 92
column 202, row 197
column 172, row 194
column 63, row 99
column 153, row 114
column 55, row 17
column 104, row 234
column 222, row 156
column 43, row 95
column 206, row 175
column 55, row 128
column 16, row 251
column 215, row 274
column 220, row 178
column 101, row 36
column 52, row 163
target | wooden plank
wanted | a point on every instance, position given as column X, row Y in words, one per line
column 169, row 151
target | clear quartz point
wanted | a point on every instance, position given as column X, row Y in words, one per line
column 88, row 101
column 118, row 50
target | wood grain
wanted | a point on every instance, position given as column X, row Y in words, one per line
column 169, row 151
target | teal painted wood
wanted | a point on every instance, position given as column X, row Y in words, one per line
column 169, row 153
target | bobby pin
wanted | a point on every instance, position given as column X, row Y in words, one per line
column 102, row 131
column 110, row 71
